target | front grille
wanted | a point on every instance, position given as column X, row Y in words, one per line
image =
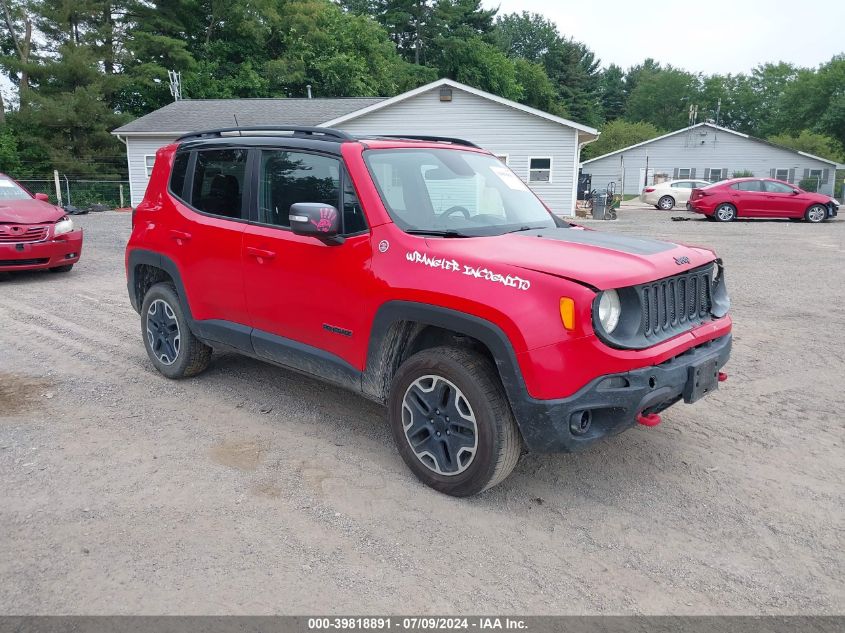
column 24, row 262
column 14, row 233
column 671, row 304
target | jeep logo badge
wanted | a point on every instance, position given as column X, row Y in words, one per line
column 681, row 260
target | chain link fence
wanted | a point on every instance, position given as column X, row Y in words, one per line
column 83, row 194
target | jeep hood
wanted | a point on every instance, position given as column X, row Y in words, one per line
column 595, row 258
column 29, row 211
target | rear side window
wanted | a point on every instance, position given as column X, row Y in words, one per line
column 748, row 185
column 777, row 187
column 218, row 186
column 177, row 176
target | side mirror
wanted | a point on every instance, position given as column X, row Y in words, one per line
column 43, row 197
column 795, row 191
column 316, row 220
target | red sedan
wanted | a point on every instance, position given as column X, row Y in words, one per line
column 760, row 198
column 35, row 234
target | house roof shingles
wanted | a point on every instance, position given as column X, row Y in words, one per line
column 192, row 115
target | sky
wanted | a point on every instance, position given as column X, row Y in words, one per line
column 720, row 37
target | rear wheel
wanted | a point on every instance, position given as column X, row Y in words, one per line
column 815, row 214
column 451, row 421
column 667, row 203
column 725, row 212
column 171, row 346
column 62, row 269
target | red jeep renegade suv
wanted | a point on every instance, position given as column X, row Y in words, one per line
column 421, row 273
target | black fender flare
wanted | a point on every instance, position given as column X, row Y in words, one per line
column 393, row 327
column 140, row 256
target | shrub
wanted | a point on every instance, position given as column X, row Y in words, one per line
column 809, row 184
column 743, row 173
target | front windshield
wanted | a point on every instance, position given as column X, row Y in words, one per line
column 454, row 192
column 10, row 190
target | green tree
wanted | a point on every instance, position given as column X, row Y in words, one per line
column 812, row 143
column 612, row 92
column 525, row 35
column 10, row 161
column 618, row 134
column 663, row 98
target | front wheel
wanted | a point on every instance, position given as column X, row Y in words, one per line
column 815, row 214
column 171, row 346
column 451, row 421
column 725, row 213
column 667, row 203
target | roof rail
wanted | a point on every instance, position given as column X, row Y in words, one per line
column 327, row 133
column 433, row 139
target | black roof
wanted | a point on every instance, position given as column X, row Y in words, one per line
column 191, row 115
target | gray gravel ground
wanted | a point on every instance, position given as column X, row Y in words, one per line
column 251, row 489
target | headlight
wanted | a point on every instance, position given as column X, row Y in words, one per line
column 609, row 310
column 714, row 273
column 65, row 225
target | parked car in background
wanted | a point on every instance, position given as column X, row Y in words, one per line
column 35, row 234
column 666, row 195
column 761, row 198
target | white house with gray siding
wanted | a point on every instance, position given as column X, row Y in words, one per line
column 710, row 152
column 543, row 149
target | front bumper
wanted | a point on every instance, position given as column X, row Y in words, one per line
column 61, row 251
column 614, row 400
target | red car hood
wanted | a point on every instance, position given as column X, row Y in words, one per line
column 599, row 259
column 29, row 211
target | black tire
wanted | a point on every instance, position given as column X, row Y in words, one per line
column 498, row 444
column 816, row 214
column 666, row 203
column 725, row 212
column 657, row 206
column 62, row 269
column 188, row 356
column 689, row 207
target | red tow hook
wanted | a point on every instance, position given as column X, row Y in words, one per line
column 652, row 419
column 722, row 376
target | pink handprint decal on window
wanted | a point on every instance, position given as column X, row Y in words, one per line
column 326, row 221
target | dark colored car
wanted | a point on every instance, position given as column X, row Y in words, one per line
column 35, row 234
column 425, row 275
column 761, row 198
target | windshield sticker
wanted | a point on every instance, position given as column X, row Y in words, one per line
column 510, row 281
column 509, row 178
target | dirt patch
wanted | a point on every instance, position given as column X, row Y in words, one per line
column 243, row 455
column 20, row 394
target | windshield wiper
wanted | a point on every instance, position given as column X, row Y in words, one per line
column 437, row 232
column 527, row 228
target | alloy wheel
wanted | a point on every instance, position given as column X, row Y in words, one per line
column 816, row 213
column 725, row 213
column 439, row 425
column 163, row 332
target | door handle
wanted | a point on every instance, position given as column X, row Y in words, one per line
column 180, row 236
column 260, row 253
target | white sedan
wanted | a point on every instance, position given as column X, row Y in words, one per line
column 666, row 195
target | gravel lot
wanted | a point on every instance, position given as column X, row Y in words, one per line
column 251, row 489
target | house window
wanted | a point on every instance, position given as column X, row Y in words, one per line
column 539, row 170
column 502, row 157
column 781, row 174
column 149, row 161
column 684, row 173
column 816, row 174
column 716, row 174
